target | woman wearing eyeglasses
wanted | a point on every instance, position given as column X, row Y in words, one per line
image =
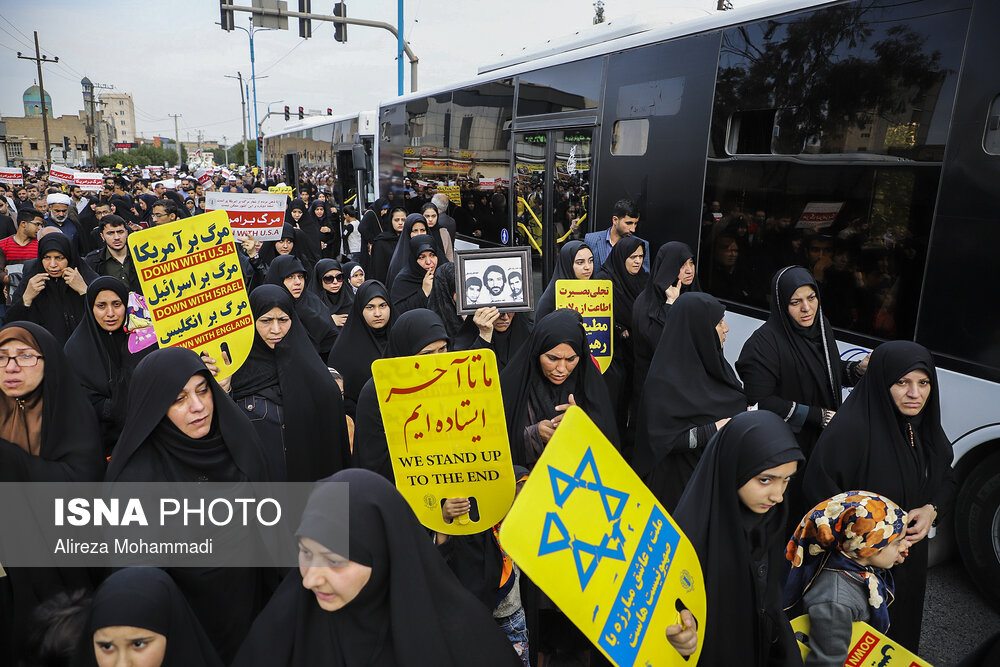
column 48, row 433
column 329, row 284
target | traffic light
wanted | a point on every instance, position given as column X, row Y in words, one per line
column 329, row 111
column 288, row 114
column 227, row 14
column 305, row 25
column 340, row 29
column 302, row 113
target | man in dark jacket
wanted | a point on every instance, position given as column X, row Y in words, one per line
column 114, row 258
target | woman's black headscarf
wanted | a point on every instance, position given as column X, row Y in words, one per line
column 336, row 304
column 301, row 247
column 733, row 543
column 147, row 598
column 313, row 313
column 867, row 445
column 58, row 307
column 314, row 424
column 359, row 345
column 148, row 211
column 437, row 231
column 412, row 611
column 802, row 361
column 689, row 384
column 413, row 331
column 563, row 271
column 383, row 248
column 524, row 385
column 626, row 286
column 442, row 300
column 650, row 309
column 407, row 289
column 103, row 362
column 400, row 256
column 152, row 449
column 370, row 226
column 311, row 222
column 68, row 450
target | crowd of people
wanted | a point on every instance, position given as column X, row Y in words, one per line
column 795, row 499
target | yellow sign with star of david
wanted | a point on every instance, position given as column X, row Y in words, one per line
column 593, row 537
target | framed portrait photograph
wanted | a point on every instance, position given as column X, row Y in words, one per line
column 498, row 277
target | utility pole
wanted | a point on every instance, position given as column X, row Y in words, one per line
column 177, row 137
column 243, row 101
column 225, row 147
column 39, row 59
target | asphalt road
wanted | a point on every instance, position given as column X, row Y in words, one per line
column 957, row 617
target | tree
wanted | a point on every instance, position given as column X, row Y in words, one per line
column 236, row 153
column 142, row 156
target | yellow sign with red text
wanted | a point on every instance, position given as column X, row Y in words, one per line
column 191, row 278
column 447, row 435
column 868, row 647
column 596, row 541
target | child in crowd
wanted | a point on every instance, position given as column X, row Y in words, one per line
column 841, row 554
column 485, row 569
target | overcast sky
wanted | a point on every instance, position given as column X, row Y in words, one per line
column 173, row 58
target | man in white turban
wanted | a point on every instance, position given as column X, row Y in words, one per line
column 58, row 216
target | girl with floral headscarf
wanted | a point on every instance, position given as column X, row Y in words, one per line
column 841, row 554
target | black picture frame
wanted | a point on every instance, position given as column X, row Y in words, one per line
column 482, row 264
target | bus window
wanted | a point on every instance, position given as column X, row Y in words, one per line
column 629, row 137
column 828, row 132
column 570, row 87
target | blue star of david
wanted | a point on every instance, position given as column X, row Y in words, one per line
column 613, row 501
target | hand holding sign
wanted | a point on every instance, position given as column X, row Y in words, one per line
column 593, row 537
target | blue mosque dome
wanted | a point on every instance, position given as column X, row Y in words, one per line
column 32, row 99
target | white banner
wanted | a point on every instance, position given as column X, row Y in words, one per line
column 62, row 175
column 257, row 215
column 11, row 176
column 88, row 182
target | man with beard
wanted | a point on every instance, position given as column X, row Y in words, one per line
column 624, row 219
column 495, row 280
column 58, row 216
column 516, row 286
column 114, row 258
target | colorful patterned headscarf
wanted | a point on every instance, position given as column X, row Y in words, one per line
column 834, row 534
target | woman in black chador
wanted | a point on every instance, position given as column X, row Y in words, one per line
column 182, row 427
column 289, row 394
column 575, row 262
column 287, row 271
column 48, row 433
column 364, row 339
column 673, row 274
column 732, row 512
column 385, row 598
column 887, row 439
column 691, row 391
column 98, row 351
column 550, row 372
column 139, row 613
column 790, row 365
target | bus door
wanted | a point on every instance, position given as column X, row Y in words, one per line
column 550, row 189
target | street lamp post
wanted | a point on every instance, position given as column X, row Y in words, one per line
column 260, row 128
column 253, row 78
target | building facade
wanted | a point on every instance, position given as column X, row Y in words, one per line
column 119, row 111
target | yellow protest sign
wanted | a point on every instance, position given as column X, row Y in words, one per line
column 596, row 541
column 281, row 190
column 447, row 434
column 191, row 278
column 593, row 300
column 868, row 647
column 453, row 192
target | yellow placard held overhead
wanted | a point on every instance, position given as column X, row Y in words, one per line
column 593, row 300
column 596, row 541
column 447, row 434
column 191, row 278
column 868, row 647
column 281, row 190
column 453, row 192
